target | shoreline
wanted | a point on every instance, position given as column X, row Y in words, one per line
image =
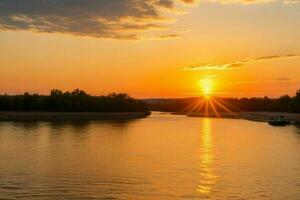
column 251, row 116
column 63, row 116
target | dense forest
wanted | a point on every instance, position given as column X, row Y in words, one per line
column 283, row 104
column 75, row 101
column 80, row 101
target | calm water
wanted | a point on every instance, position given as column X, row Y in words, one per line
column 160, row 157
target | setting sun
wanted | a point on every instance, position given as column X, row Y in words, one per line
column 206, row 86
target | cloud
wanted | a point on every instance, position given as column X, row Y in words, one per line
column 283, row 79
column 254, row 1
column 239, row 64
column 168, row 36
column 291, row 1
column 275, row 80
column 115, row 19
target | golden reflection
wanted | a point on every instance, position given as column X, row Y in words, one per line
column 207, row 177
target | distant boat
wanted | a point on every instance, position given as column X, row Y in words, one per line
column 279, row 121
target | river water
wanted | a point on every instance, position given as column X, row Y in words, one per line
column 160, row 157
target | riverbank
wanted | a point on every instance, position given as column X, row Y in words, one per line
column 58, row 116
column 252, row 116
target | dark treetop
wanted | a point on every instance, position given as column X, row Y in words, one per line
column 283, row 104
column 75, row 101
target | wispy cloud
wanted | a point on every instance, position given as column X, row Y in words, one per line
column 116, row 19
column 275, row 80
column 168, row 36
column 291, row 1
column 283, row 79
column 240, row 64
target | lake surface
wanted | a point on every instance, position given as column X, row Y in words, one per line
column 159, row 157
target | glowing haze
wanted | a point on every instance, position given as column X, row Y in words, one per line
column 151, row 48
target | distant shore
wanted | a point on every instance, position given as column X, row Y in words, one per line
column 57, row 116
column 252, row 116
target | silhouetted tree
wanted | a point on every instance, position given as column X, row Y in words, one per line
column 75, row 101
column 283, row 104
column 294, row 105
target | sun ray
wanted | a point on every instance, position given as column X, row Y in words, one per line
column 206, row 108
column 228, row 105
column 191, row 106
column 225, row 108
column 198, row 106
column 214, row 108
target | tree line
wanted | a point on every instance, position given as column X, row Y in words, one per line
column 75, row 101
column 282, row 104
column 80, row 101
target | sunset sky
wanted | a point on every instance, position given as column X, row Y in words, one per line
column 150, row 48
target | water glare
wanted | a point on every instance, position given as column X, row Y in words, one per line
column 207, row 177
column 162, row 157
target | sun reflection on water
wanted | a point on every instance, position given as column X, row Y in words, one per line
column 207, row 176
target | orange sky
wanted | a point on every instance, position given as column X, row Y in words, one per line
column 245, row 49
